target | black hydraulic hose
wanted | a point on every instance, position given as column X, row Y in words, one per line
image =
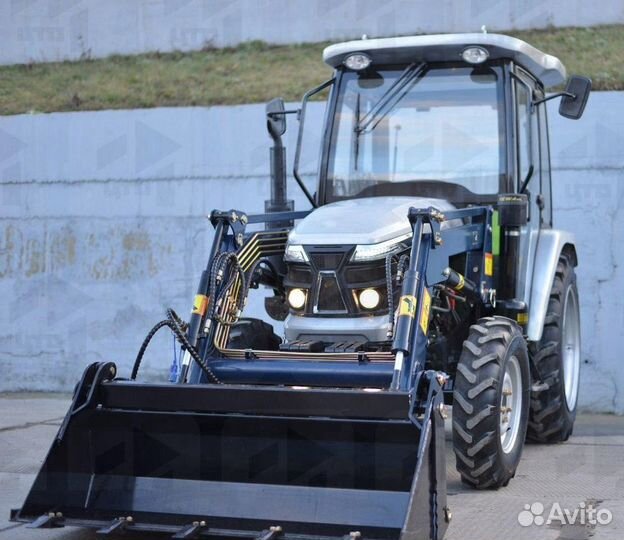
column 176, row 324
column 146, row 341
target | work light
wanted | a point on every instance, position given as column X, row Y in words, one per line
column 357, row 61
column 475, row 55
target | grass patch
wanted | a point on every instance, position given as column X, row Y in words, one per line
column 250, row 73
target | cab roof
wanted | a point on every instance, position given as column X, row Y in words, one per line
column 447, row 48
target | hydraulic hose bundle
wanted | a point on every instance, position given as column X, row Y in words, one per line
column 227, row 282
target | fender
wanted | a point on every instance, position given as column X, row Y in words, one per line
column 551, row 242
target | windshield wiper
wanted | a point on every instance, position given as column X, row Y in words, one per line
column 390, row 97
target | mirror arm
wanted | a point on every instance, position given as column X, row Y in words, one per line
column 558, row 94
column 282, row 113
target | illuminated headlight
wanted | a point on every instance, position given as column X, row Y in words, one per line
column 475, row 55
column 295, row 253
column 369, row 298
column 371, row 252
column 297, row 298
column 357, row 61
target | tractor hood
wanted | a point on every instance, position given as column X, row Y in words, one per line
column 360, row 221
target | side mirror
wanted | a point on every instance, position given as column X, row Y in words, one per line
column 575, row 97
column 276, row 118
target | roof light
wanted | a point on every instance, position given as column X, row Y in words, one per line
column 475, row 55
column 357, row 61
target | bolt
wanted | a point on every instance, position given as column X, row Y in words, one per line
column 438, row 239
column 448, row 515
column 59, row 514
column 239, row 239
column 507, row 392
column 244, row 219
column 355, row 534
column 275, row 528
column 441, row 378
column 195, row 523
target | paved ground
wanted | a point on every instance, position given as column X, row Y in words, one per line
column 587, row 469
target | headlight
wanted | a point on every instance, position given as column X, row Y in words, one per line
column 295, row 253
column 370, row 252
column 297, row 298
column 369, row 298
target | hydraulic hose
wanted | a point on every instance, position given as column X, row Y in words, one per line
column 176, row 324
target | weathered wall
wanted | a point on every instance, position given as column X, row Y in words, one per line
column 102, row 226
column 48, row 30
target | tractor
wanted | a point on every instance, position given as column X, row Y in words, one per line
column 427, row 273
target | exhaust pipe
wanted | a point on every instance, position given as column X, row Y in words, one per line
column 276, row 126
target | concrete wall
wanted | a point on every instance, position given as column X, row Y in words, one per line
column 49, row 30
column 102, row 226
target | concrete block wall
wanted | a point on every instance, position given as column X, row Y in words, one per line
column 51, row 30
column 103, row 225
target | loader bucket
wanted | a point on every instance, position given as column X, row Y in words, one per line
column 243, row 462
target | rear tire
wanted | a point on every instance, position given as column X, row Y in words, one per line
column 253, row 334
column 492, row 375
column 556, row 358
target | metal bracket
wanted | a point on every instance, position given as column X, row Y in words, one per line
column 191, row 531
column 52, row 520
column 115, row 527
column 85, row 392
column 271, row 534
column 433, row 217
column 236, row 220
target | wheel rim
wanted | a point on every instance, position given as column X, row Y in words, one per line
column 571, row 347
column 510, row 405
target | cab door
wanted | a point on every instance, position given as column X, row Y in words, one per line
column 528, row 174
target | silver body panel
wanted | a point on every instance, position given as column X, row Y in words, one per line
column 361, row 221
column 550, row 243
column 370, row 328
column 448, row 48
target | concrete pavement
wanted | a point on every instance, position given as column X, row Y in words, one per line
column 588, row 469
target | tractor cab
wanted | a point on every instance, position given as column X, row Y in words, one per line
column 449, row 121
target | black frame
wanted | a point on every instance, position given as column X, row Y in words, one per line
column 507, row 154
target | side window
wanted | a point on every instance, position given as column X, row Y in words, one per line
column 544, row 165
column 523, row 131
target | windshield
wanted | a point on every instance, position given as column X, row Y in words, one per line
column 417, row 130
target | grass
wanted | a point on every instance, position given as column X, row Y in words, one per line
column 252, row 72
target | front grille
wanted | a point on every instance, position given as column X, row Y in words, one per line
column 329, row 294
column 326, row 261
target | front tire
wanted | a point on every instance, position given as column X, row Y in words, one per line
column 557, row 361
column 491, row 403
